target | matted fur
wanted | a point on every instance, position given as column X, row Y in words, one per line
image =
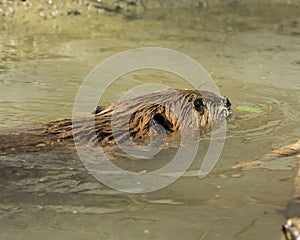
column 135, row 118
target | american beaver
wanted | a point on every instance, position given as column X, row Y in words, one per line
column 136, row 118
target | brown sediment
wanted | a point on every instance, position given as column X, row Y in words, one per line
column 291, row 228
column 288, row 150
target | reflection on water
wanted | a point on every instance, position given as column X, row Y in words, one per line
column 253, row 56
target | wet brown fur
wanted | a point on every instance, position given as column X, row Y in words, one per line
column 136, row 119
column 172, row 109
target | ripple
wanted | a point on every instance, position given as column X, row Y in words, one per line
column 279, row 107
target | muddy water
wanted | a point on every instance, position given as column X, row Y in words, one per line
column 253, row 57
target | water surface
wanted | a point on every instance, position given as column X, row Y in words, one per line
column 252, row 56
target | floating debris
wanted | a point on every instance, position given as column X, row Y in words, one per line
column 249, row 109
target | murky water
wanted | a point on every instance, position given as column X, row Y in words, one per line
column 254, row 58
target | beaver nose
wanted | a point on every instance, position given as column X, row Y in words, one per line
column 227, row 102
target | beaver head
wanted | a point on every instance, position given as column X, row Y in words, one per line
column 171, row 109
column 218, row 106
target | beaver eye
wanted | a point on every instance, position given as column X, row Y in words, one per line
column 198, row 104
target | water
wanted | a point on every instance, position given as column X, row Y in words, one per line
column 253, row 56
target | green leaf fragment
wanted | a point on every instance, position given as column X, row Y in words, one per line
column 249, row 109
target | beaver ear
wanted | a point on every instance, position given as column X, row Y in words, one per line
column 162, row 120
column 98, row 109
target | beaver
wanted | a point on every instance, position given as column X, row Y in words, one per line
column 135, row 118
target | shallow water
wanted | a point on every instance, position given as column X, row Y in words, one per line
column 253, row 58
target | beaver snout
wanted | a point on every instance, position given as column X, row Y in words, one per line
column 226, row 112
